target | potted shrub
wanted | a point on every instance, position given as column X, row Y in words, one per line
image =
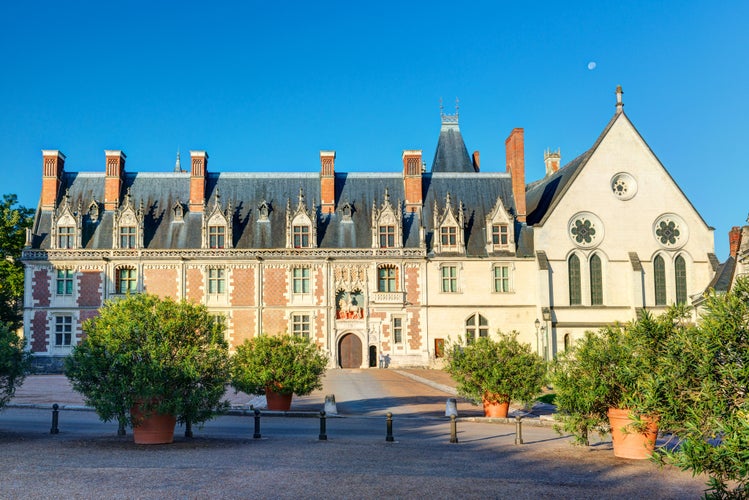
column 145, row 357
column 613, row 381
column 15, row 363
column 495, row 372
column 278, row 366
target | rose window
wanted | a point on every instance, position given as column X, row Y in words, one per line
column 670, row 231
column 585, row 230
column 623, row 186
column 667, row 232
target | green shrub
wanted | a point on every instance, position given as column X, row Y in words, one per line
column 15, row 363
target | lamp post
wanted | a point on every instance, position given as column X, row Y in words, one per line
column 537, row 323
column 543, row 339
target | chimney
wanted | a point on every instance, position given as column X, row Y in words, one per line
column 199, row 162
column 115, row 173
column 53, row 164
column 476, row 161
column 515, row 154
column 327, row 182
column 734, row 241
column 412, row 169
column 552, row 159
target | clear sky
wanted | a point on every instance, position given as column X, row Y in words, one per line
column 264, row 86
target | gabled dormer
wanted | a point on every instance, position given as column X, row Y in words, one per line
column 178, row 210
column 66, row 225
column 301, row 227
column 449, row 228
column 217, row 225
column 387, row 224
column 127, row 229
column 94, row 210
column 500, row 229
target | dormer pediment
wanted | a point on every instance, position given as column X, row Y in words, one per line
column 500, row 229
column 449, row 227
column 301, row 224
column 66, row 225
column 217, row 225
column 387, row 224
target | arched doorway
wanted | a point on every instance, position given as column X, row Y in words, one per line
column 350, row 351
column 373, row 356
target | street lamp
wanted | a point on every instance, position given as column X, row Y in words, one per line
column 545, row 343
column 538, row 338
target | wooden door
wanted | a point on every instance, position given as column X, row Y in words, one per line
column 349, row 351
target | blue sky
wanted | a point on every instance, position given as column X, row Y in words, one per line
column 264, row 86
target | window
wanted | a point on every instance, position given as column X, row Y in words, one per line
column 596, row 281
column 301, row 236
column 573, row 267
column 680, row 268
column 397, row 330
column 65, row 237
column 300, row 325
column 476, row 324
column 502, row 279
column 300, row 279
column 216, row 237
column 449, row 236
column 63, row 330
column 386, row 279
column 449, row 279
column 659, row 275
column 127, row 280
column 216, row 280
column 64, row 282
column 387, row 236
column 127, row 237
column 499, row 234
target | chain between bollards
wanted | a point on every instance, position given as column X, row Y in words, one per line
column 55, row 418
column 256, row 435
column 518, row 429
column 389, row 436
column 323, row 434
column 453, row 429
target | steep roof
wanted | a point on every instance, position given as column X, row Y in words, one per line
column 451, row 154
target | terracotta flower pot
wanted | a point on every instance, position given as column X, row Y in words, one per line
column 155, row 428
column 276, row 401
column 628, row 443
column 496, row 410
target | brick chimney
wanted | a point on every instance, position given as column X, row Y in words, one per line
column 113, row 178
column 53, row 164
column 515, row 154
column 734, row 241
column 327, row 182
column 552, row 159
column 412, row 169
column 476, row 161
column 198, row 172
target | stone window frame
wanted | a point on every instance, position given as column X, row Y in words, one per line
column 62, row 282
column 63, row 330
column 119, row 278
column 452, row 280
column 397, row 326
column 300, row 324
column 394, row 279
column 216, row 280
column 476, row 325
column 496, row 286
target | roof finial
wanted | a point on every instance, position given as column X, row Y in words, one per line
column 177, row 166
column 457, row 106
column 619, row 103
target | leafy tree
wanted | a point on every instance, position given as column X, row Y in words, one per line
column 13, row 223
column 15, row 362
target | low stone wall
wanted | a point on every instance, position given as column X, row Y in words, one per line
column 46, row 365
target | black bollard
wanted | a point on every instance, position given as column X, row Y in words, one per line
column 188, row 429
column 55, row 418
column 257, row 425
column 389, row 436
column 453, row 429
column 323, row 435
column 518, row 429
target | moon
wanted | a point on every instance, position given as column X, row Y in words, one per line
column 592, row 65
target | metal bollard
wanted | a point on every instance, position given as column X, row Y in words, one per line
column 55, row 419
column 257, row 425
column 453, row 429
column 518, row 429
column 323, row 435
column 188, row 429
column 389, row 436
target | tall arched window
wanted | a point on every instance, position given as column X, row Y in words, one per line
column 573, row 267
column 659, row 275
column 680, row 268
column 476, row 326
column 596, row 281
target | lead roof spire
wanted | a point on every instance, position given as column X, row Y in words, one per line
column 177, row 166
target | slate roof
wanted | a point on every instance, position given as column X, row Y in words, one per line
column 451, row 154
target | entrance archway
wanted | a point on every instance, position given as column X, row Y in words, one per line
column 350, row 351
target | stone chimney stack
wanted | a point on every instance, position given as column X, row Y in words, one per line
column 53, row 165
column 552, row 159
column 734, row 241
column 412, row 170
column 515, row 154
column 113, row 178
column 198, row 172
column 327, row 182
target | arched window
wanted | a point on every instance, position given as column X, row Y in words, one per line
column 659, row 275
column 573, row 266
column 596, row 281
column 566, row 342
column 476, row 324
column 680, row 268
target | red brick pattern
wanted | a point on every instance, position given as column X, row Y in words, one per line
column 275, row 286
column 414, row 328
column 195, row 285
column 162, row 282
column 413, row 295
column 243, row 287
column 320, row 327
column 40, row 287
column 319, row 285
column 274, row 322
column 39, row 337
column 89, row 289
column 244, row 326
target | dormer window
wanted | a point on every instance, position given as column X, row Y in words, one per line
column 217, row 226
column 448, row 227
column 66, row 226
column 179, row 212
column 387, row 229
column 301, row 236
column 449, row 236
column 387, row 236
column 301, row 231
column 127, row 237
column 500, row 235
column 66, row 237
column 216, row 237
column 128, row 225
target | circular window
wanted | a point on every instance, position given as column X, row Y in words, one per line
column 585, row 230
column 670, row 231
column 623, row 186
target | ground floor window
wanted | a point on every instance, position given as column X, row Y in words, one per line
column 300, row 325
column 63, row 331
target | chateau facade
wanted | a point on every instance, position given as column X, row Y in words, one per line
column 373, row 263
